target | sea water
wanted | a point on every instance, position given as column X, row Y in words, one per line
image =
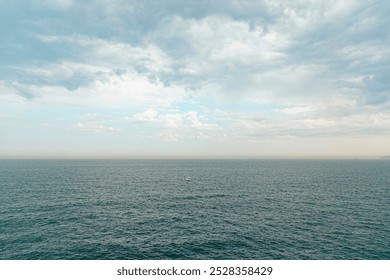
column 230, row 209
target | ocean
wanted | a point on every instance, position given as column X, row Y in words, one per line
column 230, row 209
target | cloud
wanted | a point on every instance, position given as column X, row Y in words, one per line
column 149, row 115
column 114, row 54
column 97, row 57
column 96, row 128
column 174, row 120
column 170, row 136
column 168, row 120
column 105, row 73
column 295, row 110
column 106, row 90
column 226, row 72
column 176, row 125
column 198, row 124
column 61, row 5
column 208, row 45
column 318, row 124
column 267, row 59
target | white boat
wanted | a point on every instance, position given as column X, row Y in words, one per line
column 188, row 179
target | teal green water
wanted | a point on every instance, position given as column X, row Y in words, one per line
column 231, row 209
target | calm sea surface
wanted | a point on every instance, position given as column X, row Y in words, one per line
column 231, row 209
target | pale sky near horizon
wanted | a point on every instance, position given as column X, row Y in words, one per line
column 116, row 78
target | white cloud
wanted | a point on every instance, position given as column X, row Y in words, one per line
column 295, row 110
column 362, row 53
column 218, row 43
column 110, row 90
column 177, row 120
column 170, row 136
column 97, row 128
column 196, row 122
column 363, row 122
column 171, row 120
column 174, row 125
column 297, row 17
column 115, row 54
column 168, row 120
column 107, row 74
column 149, row 115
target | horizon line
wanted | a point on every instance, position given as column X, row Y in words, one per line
column 200, row 157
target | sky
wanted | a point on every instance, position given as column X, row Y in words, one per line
column 215, row 79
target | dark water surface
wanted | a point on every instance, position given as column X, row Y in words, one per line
column 231, row 209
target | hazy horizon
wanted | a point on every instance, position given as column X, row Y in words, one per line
column 187, row 157
column 194, row 79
